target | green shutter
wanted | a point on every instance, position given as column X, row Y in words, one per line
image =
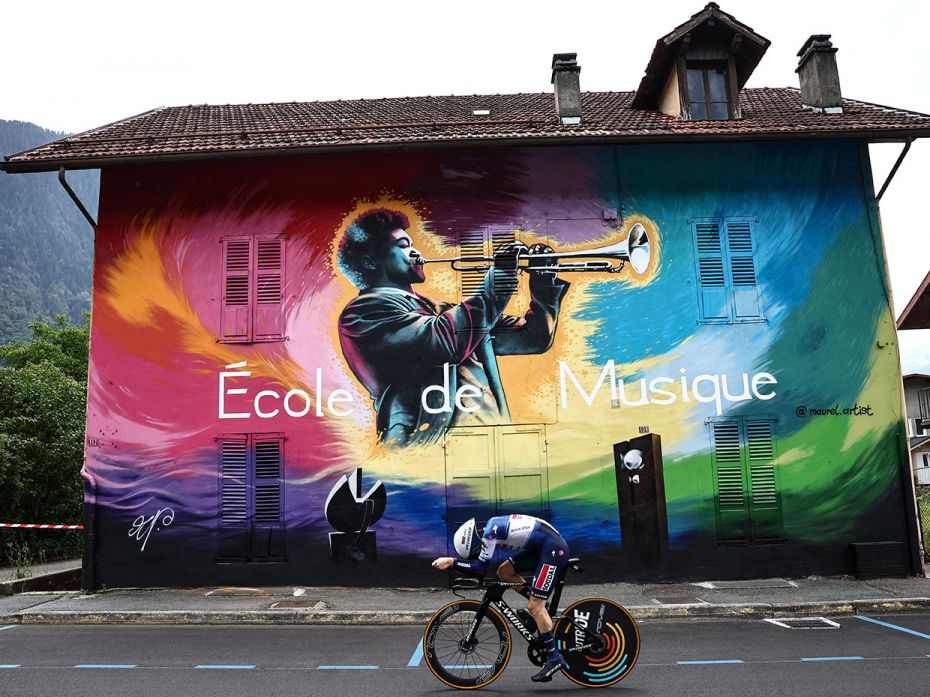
column 731, row 502
column 765, row 500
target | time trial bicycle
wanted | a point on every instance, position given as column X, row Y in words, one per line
column 467, row 643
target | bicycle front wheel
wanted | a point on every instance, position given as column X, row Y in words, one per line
column 455, row 661
column 600, row 641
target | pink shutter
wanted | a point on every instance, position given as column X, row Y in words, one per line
column 269, row 289
column 237, row 256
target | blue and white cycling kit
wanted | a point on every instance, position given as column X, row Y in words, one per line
column 530, row 542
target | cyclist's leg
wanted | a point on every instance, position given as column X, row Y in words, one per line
column 553, row 558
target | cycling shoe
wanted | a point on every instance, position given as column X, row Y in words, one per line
column 549, row 669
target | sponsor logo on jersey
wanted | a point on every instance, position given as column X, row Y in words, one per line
column 545, row 578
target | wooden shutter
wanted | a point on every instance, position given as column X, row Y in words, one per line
column 731, row 504
column 268, row 481
column 742, row 269
column 237, row 306
column 713, row 285
column 269, row 289
column 235, row 480
column 765, row 500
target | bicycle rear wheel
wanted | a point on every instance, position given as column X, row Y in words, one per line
column 616, row 651
column 462, row 666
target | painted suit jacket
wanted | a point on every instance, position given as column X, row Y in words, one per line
column 396, row 344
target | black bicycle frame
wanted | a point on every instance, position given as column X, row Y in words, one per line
column 494, row 594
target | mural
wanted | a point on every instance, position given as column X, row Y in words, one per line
column 683, row 357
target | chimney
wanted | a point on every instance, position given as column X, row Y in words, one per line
column 565, row 70
column 820, row 80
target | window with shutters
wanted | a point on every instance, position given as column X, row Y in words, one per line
column 746, row 494
column 253, row 286
column 483, row 242
column 251, row 520
column 728, row 290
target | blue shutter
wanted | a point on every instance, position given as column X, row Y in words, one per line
column 742, row 268
column 713, row 286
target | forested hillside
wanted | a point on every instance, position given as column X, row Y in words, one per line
column 45, row 243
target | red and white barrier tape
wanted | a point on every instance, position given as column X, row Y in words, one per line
column 41, row 527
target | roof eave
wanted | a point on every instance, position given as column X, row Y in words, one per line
column 869, row 135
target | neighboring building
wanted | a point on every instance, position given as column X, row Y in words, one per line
column 726, row 405
column 917, row 389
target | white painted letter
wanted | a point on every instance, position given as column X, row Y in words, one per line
column 287, row 403
column 444, row 389
column 763, row 379
column 669, row 397
column 714, row 397
column 467, row 391
column 607, row 373
column 338, row 396
column 743, row 397
column 258, row 408
column 238, row 390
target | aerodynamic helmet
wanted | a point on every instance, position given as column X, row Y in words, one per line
column 467, row 541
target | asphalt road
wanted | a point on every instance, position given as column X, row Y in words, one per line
column 740, row 658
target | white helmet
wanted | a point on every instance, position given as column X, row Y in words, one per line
column 466, row 541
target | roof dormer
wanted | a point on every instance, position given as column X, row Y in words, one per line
column 696, row 71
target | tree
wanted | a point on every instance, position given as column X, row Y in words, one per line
column 43, row 397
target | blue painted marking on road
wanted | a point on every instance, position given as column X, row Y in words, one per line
column 834, row 658
column 348, row 667
column 417, row 656
column 9, row 626
column 224, row 667
column 709, row 663
column 105, row 665
column 893, row 626
column 9, row 665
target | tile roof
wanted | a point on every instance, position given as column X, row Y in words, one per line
column 288, row 128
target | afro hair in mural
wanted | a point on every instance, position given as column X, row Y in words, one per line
column 367, row 235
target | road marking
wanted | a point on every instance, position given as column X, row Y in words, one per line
column 9, row 665
column 417, row 656
column 347, row 667
column 708, row 663
column 834, row 658
column 224, row 667
column 9, row 626
column 105, row 665
column 893, row 626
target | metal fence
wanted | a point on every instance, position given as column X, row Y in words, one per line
column 923, row 511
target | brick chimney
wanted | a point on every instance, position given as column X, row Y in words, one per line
column 565, row 70
column 820, row 79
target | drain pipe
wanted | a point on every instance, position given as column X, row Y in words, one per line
column 74, row 197
column 90, row 518
column 894, row 170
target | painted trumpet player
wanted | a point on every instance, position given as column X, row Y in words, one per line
column 430, row 365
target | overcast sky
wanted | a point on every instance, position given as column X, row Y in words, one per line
column 72, row 66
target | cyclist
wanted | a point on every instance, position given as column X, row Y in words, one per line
column 530, row 542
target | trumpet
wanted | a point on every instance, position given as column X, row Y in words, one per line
column 612, row 258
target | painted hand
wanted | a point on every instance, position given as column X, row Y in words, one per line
column 540, row 248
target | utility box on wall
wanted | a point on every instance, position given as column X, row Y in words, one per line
column 641, row 496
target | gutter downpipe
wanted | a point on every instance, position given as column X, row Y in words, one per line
column 90, row 519
column 88, row 216
column 90, row 484
column 894, row 170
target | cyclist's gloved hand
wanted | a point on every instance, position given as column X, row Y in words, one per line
column 443, row 563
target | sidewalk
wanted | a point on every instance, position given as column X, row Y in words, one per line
column 752, row 599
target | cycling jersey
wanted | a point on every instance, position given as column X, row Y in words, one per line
column 528, row 541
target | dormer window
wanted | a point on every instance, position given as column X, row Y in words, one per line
column 707, row 91
column 696, row 71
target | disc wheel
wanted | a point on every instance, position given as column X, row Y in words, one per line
column 452, row 660
column 615, row 650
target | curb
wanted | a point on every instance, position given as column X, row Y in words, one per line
column 420, row 617
column 69, row 579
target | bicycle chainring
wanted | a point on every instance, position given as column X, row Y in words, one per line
column 536, row 652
